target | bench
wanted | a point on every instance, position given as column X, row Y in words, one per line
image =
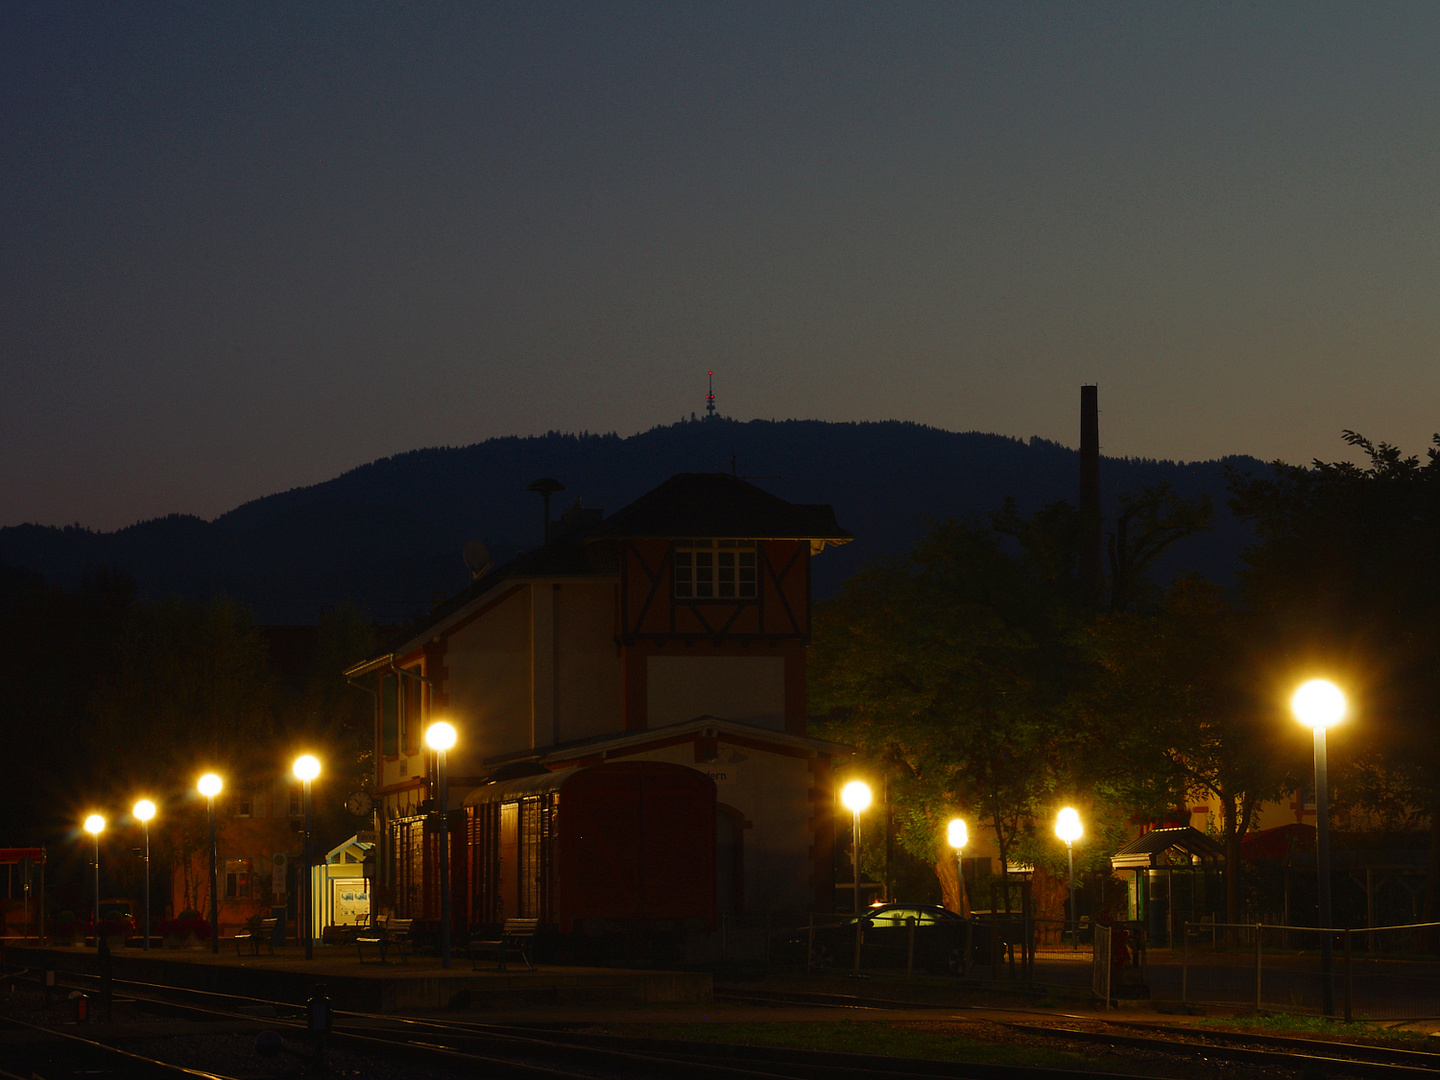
column 387, row 933
column 515, row 937
column 255, row 936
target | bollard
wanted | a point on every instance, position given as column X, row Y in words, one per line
column 79, row 1007
column 317, row 1022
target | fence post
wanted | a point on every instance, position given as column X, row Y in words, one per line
column 910, row 947
column 724, row 939
column 1258, row 928
column 810, row 943
column 1184, row 963
column 1349, row 981
column 859, row 940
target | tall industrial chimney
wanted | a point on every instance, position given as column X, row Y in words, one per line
column 1092, row 576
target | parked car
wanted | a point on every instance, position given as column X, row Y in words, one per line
column 944, row 942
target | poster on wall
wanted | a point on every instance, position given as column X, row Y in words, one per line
column 350, row 901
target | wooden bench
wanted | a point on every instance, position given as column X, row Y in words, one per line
column 515, row 937
column 264, row 934
column 387, row 933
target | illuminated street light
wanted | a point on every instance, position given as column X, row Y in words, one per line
column 440, row 737
column 144, row 811
column 1069, row 829
column 1318, row 705
column 959, row 836
column 307, row 768
column 210, row 785
column 95, row 825
column 855, row 797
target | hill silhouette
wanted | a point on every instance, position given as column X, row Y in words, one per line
column 389, row 534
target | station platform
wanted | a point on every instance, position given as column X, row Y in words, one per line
column 418, row 983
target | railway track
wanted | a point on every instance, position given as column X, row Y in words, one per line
column 442, row 1047
column 1321, row 1057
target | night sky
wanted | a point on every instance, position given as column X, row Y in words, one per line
column 247, row 246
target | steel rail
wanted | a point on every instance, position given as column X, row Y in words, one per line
column 1288, row 1059
column 153, row 1066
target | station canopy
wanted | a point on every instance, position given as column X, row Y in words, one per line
column 1168, row 847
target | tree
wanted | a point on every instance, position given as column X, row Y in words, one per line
column 1187, row 708
column 1345, row 581
column 948, row 669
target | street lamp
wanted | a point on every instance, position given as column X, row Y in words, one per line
column 144, row 811
column 1319, row 704
column 307, row 768
column 95, row 825
column 210, row 786
column 959, row 836
column 855, row 796
column 1068, row 828
column 440, row 737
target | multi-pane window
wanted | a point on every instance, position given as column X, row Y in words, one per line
column 715, row 570
column 237, row 879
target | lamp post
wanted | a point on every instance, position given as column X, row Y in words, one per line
column 144, row 811
column 1068, row 828
column 959, row 836
column 95, row 825
column 1319, row 704
column 855, row 796
column 440, row 737
column 306, row 768
column 210, row 786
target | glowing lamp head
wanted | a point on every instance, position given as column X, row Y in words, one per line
column 1318, row 704
column 1067, row 825
column 855, row 796
column 958, row 834
column 94, row 824
column 144, row 810
column 210, row 785
column 440, row 735
column 307, row 767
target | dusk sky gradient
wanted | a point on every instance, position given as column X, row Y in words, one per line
column 250, row 246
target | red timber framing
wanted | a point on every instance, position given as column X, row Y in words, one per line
column 649, row 611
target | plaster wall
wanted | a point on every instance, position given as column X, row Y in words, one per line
column 488, row 685
column 744, row 689
column 588, row 675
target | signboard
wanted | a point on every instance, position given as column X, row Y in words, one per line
column 349, row 900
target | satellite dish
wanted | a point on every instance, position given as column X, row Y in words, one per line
column 477, row 558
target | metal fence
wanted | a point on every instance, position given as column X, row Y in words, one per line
column 1374, row 973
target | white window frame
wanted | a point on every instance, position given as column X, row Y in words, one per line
column 727, row 570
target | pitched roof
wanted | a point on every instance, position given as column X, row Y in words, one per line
column 1151, row 849
column 718, row 504
column 686, row 505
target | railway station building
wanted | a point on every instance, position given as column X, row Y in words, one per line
column 630, row 702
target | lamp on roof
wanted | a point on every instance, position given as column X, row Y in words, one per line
column 545, row 487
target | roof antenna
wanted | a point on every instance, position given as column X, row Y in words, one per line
column 546, row 487
column 710, row 399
